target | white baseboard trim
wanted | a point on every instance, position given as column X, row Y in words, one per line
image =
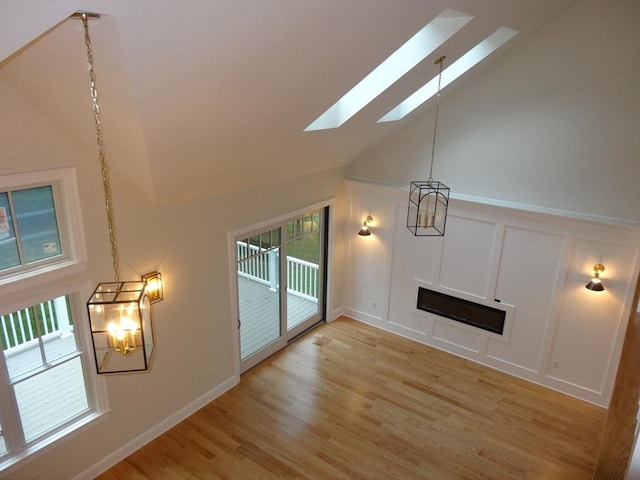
column 169, row 422
column 335, row 314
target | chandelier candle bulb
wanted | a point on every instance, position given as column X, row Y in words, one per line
column 123, row 339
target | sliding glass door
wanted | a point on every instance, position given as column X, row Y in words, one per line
column 281, row 280
column 259, row 291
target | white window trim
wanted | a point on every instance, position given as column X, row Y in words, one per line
column 95, row 384
column 69, row 214
column 54, row 279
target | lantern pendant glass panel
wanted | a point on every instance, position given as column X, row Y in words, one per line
column 121, row 329
column 428, row 203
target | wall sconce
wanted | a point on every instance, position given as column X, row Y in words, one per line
column 154, row 286
column 364, row 231
column 596, row 284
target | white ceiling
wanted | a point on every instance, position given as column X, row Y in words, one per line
column 202, row 97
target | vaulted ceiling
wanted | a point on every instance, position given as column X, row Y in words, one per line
column 202, row 97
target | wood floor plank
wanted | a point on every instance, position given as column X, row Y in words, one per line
column 620, row 429
column 348, row 401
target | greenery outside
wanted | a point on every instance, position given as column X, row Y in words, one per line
column 303, row 236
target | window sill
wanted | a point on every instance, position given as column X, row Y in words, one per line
column 19, row 460
column 28, row 280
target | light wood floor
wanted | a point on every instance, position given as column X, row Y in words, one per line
column 619, row 432
column 348, row 401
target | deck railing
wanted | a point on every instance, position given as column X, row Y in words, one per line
column 302, row 276
column 20, row 329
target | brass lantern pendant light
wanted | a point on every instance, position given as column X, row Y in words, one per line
column 119, row 312
column 429, row 200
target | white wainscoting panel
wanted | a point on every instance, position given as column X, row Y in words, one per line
column 458, row 338
column 590, row 323
column 415, row 257
column 528, row 266
column 560, row 334
column 467, row 254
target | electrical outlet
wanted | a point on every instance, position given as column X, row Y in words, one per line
column 556, row 364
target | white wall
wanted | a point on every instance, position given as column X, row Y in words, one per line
column 553, row 123
column 561, row 335
column 188, row 245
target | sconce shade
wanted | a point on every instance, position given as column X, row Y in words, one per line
column 364, row 231
column 121, row 328
column 428, row 204
column 154, row 286
column 596, row 284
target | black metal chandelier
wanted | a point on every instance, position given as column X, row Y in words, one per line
column 429, row 200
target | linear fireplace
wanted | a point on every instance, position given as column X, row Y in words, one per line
column 461, row 310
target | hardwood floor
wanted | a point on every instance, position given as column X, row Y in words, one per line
column 619, row 432
column 348, row 401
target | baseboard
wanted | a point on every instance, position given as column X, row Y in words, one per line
column 336, row 313
column 169, row 422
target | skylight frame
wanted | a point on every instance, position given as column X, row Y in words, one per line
column 406, row 57
column 470, row 59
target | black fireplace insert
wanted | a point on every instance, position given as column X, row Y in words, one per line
column 461, row 310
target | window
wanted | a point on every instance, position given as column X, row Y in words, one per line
column 37, row 213
column 44, row 372
column 28, row 227
column 48, row 386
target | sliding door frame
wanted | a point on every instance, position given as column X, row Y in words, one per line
column 329, row 207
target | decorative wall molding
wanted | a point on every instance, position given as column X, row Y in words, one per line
column 562, row 335
column 521, row 207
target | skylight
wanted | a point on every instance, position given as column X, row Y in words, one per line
column 458, row 68
column 416, row 49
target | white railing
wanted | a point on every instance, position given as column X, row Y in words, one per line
column 18, row 330
column 302, row 276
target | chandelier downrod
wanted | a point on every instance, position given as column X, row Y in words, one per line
column 439, row 61
column 106, row 184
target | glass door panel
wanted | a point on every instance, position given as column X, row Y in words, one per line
column 258, row 276
column 304, row 266
column 280, row 276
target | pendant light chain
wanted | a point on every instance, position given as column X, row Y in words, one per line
column 439, row 61
column 103, row 163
